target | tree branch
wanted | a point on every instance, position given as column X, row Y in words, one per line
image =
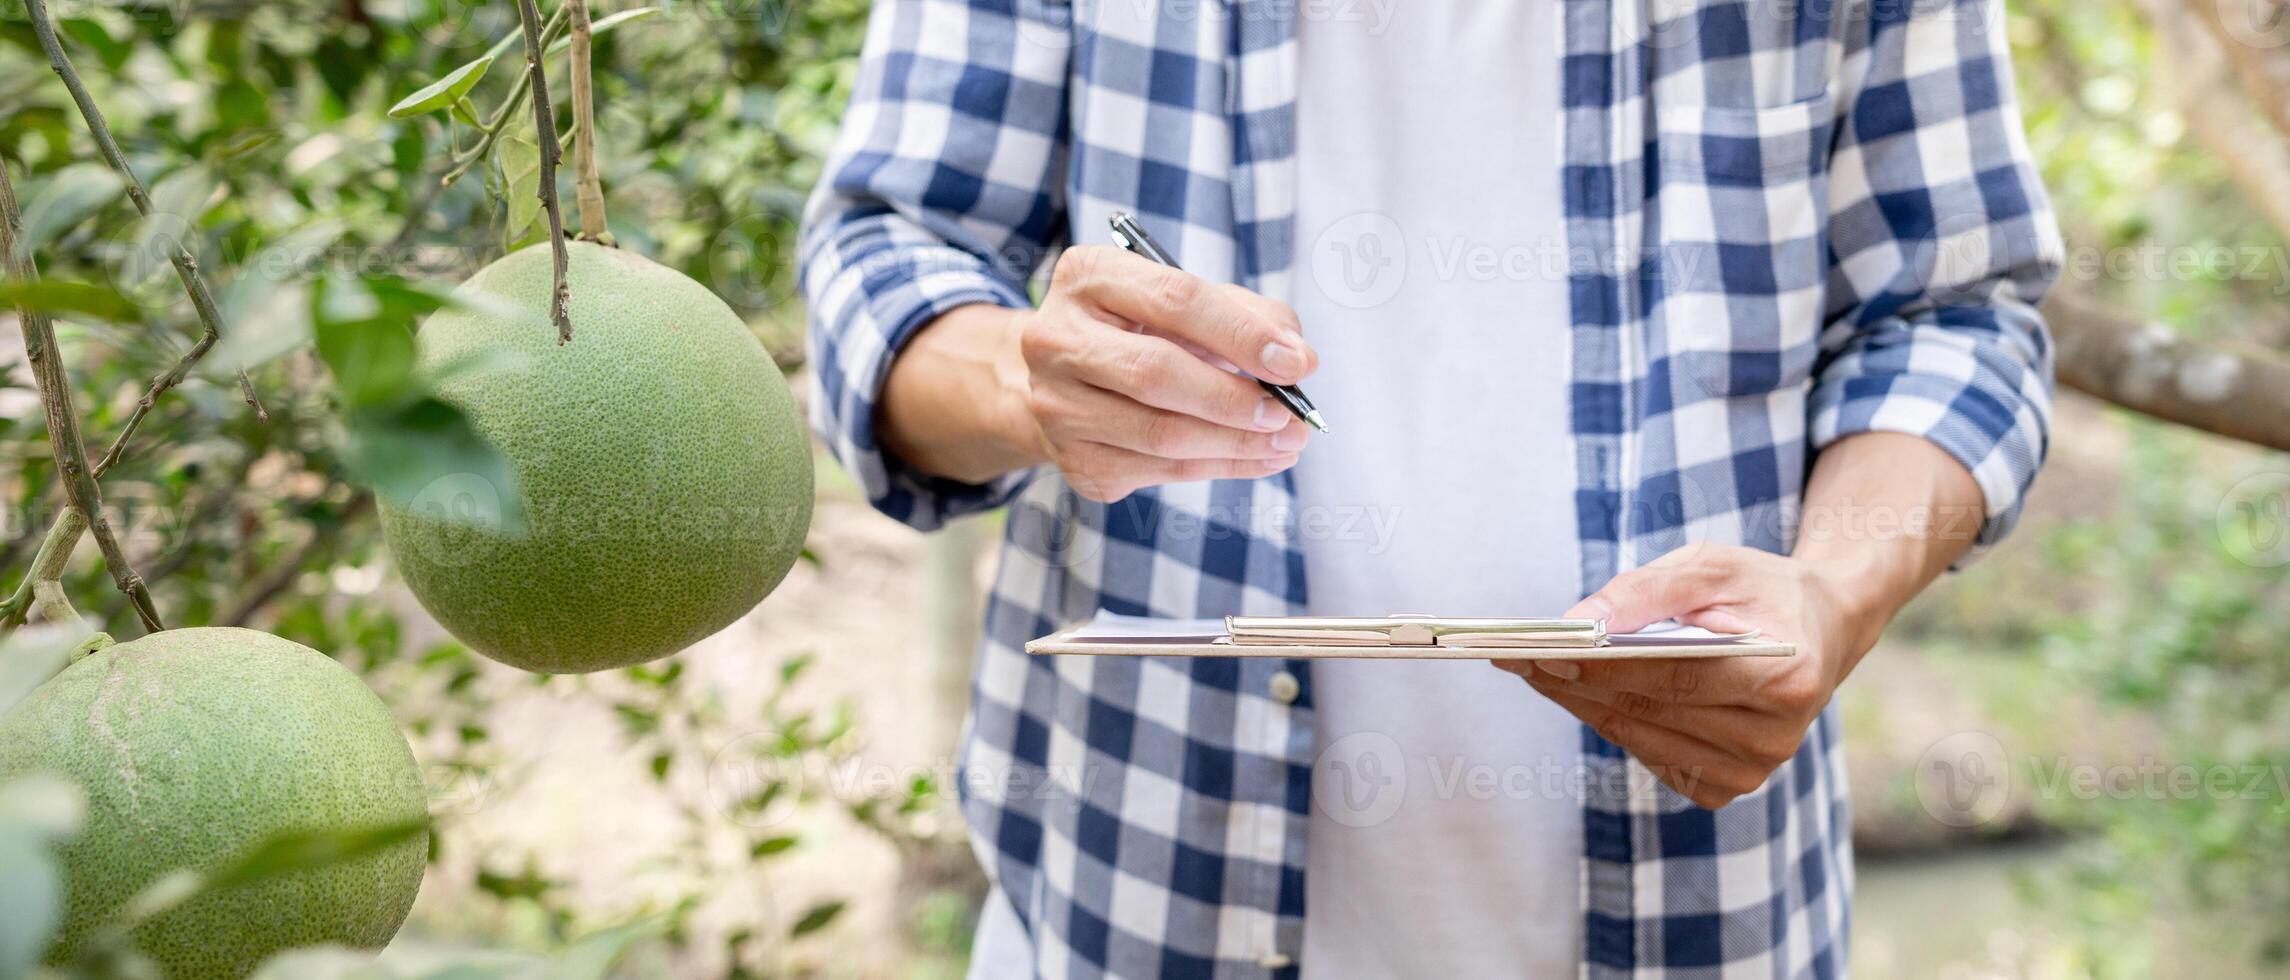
column 160, row 385
column 186, row 265
column 2148, row 368
column 591, row 190
column 2259, row 79
column 545, row 126
column 63, row 421
column 2216, row 114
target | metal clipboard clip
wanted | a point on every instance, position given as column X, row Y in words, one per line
column 1410, row 630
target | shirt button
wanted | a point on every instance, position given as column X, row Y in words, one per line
column 1285, row 687
column 1276, row 961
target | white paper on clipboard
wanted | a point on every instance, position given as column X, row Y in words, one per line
column 1111, row 627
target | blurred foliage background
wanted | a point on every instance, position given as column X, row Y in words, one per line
column 774, row 802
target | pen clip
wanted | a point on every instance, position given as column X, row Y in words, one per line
column 1131, row 235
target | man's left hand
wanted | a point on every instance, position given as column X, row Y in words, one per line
column 1713, row 729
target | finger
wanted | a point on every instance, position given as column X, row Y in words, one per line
column 1643, row 596
column 1275, row 312
column 1157, row 372
column 1183, row 305
column 1654, row 744
column 1719, row 620
column 1108, row 473
column 1705, row 719
column 1669, row 681
column 1749, row 736
column 1119, row 421
column 1281, row 314
column 1701, row 772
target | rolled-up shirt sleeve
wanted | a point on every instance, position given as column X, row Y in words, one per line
column 942, row 191
column 1942, row 244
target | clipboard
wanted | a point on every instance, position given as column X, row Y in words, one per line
column 1402, row 637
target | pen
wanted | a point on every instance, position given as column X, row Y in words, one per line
column 1130, row 235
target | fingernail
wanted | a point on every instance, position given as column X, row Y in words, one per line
column 1563, row 669
column 1288, row 439
column 1283, row 360
column 1270, row 417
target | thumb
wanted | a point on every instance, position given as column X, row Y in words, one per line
column 1642, row 597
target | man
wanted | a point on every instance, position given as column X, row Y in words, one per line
column 1711, row 309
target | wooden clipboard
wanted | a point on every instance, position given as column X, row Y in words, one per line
column 1061, row 643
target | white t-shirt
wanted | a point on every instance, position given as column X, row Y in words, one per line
column 1430, row 237
column 1432, row 281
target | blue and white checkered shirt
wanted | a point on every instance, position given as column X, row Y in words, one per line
column 1790, row 222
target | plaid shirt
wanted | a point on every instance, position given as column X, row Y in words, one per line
column 1791, row 223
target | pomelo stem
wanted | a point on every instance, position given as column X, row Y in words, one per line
column 545, row 126
column 47, row 564
column 47, row 578
column 591, row 190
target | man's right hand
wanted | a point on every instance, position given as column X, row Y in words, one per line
column 1128, row 383
column 1121, row 378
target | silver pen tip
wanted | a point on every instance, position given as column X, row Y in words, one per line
column 1313, row 417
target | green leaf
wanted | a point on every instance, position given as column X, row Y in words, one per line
column 372, row 361
column 528, row 884
column 336, row 962
column 371, row 354
column 44, row 805
column 445, row 91
column 30, row 656
column 31, row 899
column 69, row 197
column 816, row 919
column 771, row 845
column 592, row 958
column 292, row 851
column 520, row 161
column 638, row 719
column 112, row 52
column 793, row 667
column 62, row 297
column 365, row 334
column 266, row 307
column 603, row 24
column 178, row 201
column 427, row 446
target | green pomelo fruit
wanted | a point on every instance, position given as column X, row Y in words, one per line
column 663, row 473
column 196, row 745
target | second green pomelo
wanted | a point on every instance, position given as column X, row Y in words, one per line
column 194, row 746
column 662, row 467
